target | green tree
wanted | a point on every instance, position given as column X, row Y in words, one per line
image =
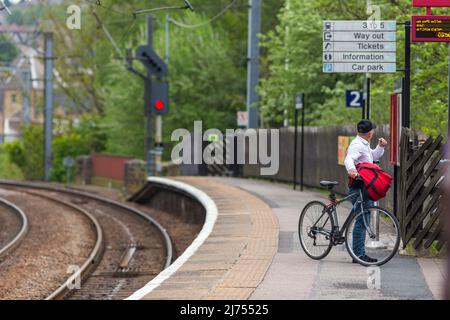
column 295, row 65
column 8, row 51
column 27, row 16
column 205, row 85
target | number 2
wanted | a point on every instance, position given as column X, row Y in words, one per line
column 356, row 98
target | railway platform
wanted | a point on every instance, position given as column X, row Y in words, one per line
column 243, row 245
column 251, row 251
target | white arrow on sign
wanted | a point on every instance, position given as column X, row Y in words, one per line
column 359, row 36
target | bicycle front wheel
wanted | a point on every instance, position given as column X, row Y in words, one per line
column 314, row 229
column 374, row 233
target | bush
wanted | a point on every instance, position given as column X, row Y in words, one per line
column 16, row 153
column 33, row 150
column 28, row 154
column 87, row 137
column 8, row 170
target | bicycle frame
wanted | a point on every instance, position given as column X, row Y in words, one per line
column 335, row 221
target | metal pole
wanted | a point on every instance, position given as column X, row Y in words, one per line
column 159, row 119
column 167, row 39
column 254, row 28
column 27, row 92
column 295, row 147
column 368, row 85
column 407, row 80
column 302, row 163
column 148, row 86
column 48, row 112
column 286, row 66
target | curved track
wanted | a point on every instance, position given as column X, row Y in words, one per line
column 60, row 236
column 11, row 238
column 133, row 245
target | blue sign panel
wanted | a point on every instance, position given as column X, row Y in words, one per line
column 354, row 99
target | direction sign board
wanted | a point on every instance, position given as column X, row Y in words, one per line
column 356, row 25
column 431, row 28
column 431, row 3
column 299, row 100
column 354, row 99
column 359, row 67
column 359, row 46
column 359, row 57
column 358, row 36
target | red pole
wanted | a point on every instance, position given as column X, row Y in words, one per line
column 429, row 11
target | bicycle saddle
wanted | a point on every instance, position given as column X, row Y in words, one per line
column 328, row 184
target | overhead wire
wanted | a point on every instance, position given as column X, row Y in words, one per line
column 209, row 21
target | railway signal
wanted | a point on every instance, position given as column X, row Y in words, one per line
column 159, row 98
column 153, row 63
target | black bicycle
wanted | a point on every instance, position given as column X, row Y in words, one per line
column 319, row 229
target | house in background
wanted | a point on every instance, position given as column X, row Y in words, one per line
column 21, row 95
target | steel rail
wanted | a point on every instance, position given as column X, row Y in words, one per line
column 161, row 229
column 94, row 256
column 22, row 232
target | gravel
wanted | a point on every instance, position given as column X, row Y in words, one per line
column 182, row 234
column 10, row 225
column 58, row 238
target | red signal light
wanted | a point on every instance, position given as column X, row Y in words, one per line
column 159, row 105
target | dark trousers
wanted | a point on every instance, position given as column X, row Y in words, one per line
column 359, row 231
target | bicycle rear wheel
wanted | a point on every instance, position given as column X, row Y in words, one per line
column 376, row 233
column 314, row 230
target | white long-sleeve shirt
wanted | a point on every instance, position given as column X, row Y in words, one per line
column 359, row 151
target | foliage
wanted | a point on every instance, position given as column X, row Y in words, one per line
column 86, row 137
column 205, row 83
column 8, row 51
column 207, row 66
column 299, row 41
column 8, row 170
column 28, row 153
column 25, row 16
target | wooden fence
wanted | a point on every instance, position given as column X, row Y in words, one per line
column 420, row 212
column 321, row 158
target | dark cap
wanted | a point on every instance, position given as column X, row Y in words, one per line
column 365, row 126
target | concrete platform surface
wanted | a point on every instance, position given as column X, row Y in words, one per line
column 293, row 275
column 234, row 259
column 252, row 251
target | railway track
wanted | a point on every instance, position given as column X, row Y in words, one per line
column 14, row 232
column 135, row 247
column 83, row 271
column 60, row 236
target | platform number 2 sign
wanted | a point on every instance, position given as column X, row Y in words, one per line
column 354, row 99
